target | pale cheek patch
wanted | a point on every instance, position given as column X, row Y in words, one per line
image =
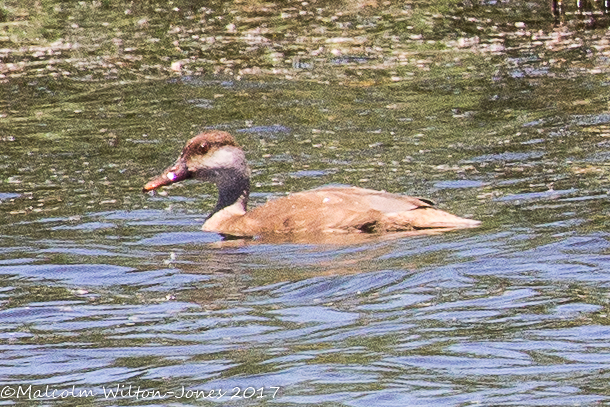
column 171, row 176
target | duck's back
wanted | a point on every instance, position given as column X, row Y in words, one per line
column 342, row 210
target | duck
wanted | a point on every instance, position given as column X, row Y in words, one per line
column 216, row 157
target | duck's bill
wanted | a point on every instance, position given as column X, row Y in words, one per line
column 175, row 173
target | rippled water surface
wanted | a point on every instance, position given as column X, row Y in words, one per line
column 495, row 110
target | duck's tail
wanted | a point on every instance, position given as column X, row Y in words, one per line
column 430, row 218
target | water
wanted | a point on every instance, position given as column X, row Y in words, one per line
column 113, row 297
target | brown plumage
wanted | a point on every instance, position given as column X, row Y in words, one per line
column 215, row 156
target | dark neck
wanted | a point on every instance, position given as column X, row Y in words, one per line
column 232, row 202
column 233, row 193
column 227, row 168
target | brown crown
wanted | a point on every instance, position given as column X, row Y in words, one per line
column 201, row 143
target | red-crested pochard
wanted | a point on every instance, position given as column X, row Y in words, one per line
column 215, row 156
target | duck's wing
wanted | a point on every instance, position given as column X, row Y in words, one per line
column 313, row 212
column 344, row 210
column 383, row 212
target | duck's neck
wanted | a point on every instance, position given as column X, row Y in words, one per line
column 232, row 203
column 233, row 192
column 233, row 196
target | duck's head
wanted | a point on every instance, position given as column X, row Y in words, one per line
column 212, row 156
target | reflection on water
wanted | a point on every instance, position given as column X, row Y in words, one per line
column 493, row 110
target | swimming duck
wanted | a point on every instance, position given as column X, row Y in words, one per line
column 215, row 156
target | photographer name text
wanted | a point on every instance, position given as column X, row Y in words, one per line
column 31, row 392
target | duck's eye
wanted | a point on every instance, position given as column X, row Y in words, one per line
column 203, row 148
